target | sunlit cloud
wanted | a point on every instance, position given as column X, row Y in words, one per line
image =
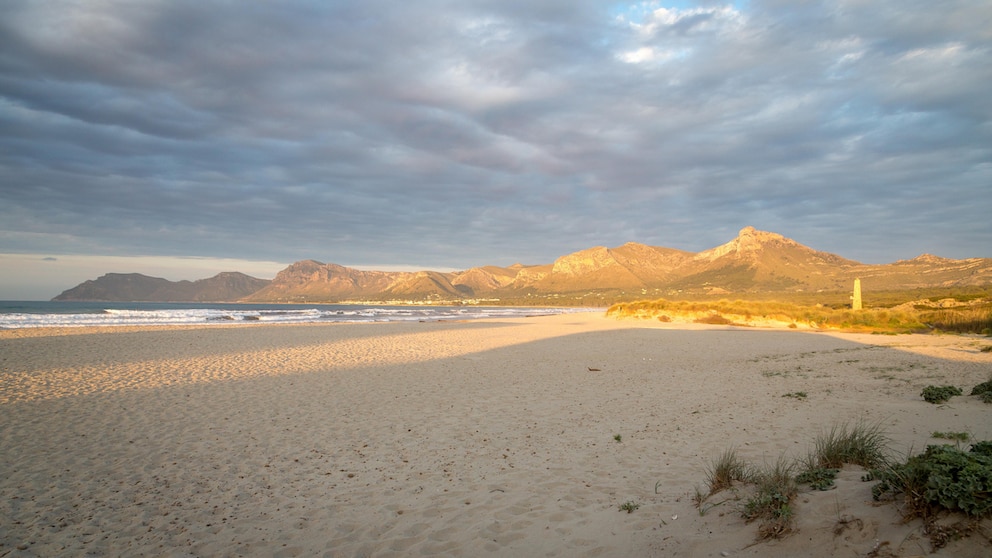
column 445, row 135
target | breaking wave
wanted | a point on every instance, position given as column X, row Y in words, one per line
column 50, row 314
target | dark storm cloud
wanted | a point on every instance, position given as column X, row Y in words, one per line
column 466, row 133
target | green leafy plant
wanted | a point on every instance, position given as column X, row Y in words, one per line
column 772, row 500
column 818, row 478
column 942, row 478
column 629, row 506
column 982, row 448
column 618, row 437
column 939, row 394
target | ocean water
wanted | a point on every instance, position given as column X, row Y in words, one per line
column 21, row 314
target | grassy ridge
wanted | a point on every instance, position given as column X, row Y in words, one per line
column 976, row 317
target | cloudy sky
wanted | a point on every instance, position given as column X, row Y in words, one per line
column 180, row 138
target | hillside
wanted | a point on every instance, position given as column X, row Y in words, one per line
column 135, row 287
column 752, row 263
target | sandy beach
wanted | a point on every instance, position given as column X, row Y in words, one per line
column 476, row 438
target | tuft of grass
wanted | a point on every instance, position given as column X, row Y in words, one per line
column 618, row 438
column 727, row 469
column 858, row 444
column 771, row 502
column 796, row 395
column 629, row 506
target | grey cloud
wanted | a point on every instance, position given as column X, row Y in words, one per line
column 462, row 133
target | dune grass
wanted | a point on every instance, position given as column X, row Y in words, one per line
column 860, row 443
column 976, row 318
column 727, row 469
column 944, row 479
column 773, row 488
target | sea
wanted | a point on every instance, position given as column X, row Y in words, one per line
column 25, row 314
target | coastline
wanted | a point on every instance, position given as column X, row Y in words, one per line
column 480, row 437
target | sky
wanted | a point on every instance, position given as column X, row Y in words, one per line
column 181, row 138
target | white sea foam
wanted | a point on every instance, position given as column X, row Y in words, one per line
column 283, row 314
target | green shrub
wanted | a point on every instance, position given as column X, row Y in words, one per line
column 983, row 390
column 943, row 478
column 936, row 395
column 982, row 448
column 819, row 478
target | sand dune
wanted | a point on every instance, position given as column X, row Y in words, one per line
column 482, row 438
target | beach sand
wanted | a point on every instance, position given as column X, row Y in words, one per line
column 477, row 438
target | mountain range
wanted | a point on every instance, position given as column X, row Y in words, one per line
column 753, row 262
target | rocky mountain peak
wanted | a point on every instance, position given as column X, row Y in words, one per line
column 748, row 241
column 584, row 261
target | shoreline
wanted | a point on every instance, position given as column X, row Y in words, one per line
column 477, row 437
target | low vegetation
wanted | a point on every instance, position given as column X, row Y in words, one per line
column 953, row 436
column 972, row 319
column 629, row 506
column 984, row 391
column 771, row 502
column 773, row 488
column 939, row 394
column 726, row 470
column 858, row 444
column 944, row 479
column 973, row 316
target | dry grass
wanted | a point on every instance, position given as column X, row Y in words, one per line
column 976, row 318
